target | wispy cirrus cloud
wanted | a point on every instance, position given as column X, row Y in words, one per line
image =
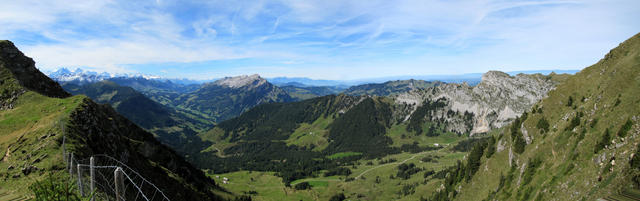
column 320, row 39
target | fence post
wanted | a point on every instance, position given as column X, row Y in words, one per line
column 64, row 149
column 71, row 165
column 80, row 180
column 118, row 178
column 93, row 176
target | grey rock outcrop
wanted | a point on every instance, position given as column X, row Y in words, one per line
column 494, row 102
column 250, row 81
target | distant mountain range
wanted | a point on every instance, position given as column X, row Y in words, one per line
column 82, row 77
column 470, row 78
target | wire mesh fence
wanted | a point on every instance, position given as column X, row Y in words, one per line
column 102, row 177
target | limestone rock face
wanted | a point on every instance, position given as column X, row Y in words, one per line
column 494, row 102
column 250, row 81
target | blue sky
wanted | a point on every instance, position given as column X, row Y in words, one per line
column 317, row 39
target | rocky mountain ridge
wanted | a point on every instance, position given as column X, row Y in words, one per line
column 250, row 81
column 83, row 76
column 494, row 102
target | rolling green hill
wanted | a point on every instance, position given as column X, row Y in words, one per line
column 34, row 112
column 579, row 143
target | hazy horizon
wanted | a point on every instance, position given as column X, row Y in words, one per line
column 72, row 70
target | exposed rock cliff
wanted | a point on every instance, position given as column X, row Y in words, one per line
column 494, row 102
column 250, row 81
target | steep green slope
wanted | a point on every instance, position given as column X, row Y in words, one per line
column 31, row 136
column 390, row 87
column 173, row 128
column 580, row 143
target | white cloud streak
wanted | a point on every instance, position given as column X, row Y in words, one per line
column 321, row 39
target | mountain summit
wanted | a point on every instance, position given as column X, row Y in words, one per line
column 494, row 102
column 229, row 97
column 250, row 81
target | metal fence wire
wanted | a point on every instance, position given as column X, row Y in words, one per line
column 102, row 177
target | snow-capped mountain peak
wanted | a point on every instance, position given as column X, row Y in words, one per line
column 83, row 76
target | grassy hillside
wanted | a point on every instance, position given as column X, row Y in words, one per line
column 31, row 136
column 580, row 143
